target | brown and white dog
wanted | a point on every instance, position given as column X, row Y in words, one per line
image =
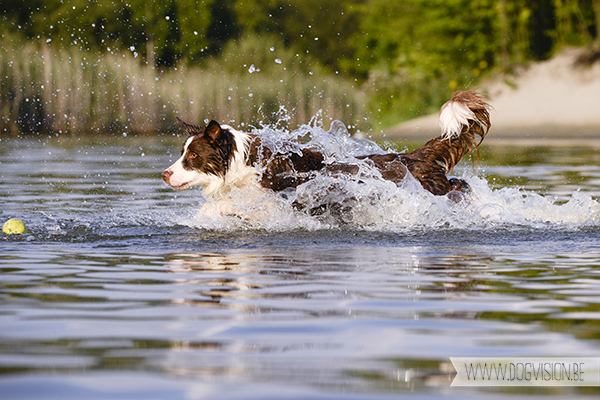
column 219, row 158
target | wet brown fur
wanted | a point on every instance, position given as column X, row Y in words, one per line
column 428, row 164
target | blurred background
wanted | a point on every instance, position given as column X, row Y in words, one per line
column 132, row 65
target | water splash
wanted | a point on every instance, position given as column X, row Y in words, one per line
column 368, row 202
column 115, row 193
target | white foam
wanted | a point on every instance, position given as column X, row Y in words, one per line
column 367, row 202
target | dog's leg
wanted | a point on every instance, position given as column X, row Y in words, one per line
column 460, row 185
column 290, row 170
column 460, row 190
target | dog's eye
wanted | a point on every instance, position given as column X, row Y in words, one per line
column 193, row 155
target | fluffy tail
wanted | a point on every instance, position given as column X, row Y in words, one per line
column 462, row 118
column 466, row 112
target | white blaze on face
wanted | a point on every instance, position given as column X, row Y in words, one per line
column 239, row 174
column 182, row 178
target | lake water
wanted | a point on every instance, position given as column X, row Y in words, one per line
column 121, row 289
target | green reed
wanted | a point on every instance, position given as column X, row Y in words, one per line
column 49, row 89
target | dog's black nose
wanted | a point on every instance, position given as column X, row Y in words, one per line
column 166, row 175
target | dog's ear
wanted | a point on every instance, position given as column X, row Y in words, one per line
column 212, row 130
column 188, row 128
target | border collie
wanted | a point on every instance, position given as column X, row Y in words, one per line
column 219, row 158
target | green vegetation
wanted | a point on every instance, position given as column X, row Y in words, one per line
column 112, row 65
column 45, row 89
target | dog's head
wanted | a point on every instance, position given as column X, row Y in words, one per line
column 205, row 157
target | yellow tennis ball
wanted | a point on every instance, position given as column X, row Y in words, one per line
column 13, row 225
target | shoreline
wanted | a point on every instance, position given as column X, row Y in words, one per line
column 552, row 99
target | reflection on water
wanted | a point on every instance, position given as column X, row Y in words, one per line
column 364, row 319
column 112, row 293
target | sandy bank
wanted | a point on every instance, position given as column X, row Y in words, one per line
column 556, row 99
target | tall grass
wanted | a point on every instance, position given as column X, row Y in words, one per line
column 49, row 89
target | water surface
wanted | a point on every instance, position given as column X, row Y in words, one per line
column 121, row 289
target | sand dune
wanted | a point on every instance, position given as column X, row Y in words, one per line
column 557, row 98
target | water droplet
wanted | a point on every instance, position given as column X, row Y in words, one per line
column 252, row 68
column 191, row 101
column 278, row 61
